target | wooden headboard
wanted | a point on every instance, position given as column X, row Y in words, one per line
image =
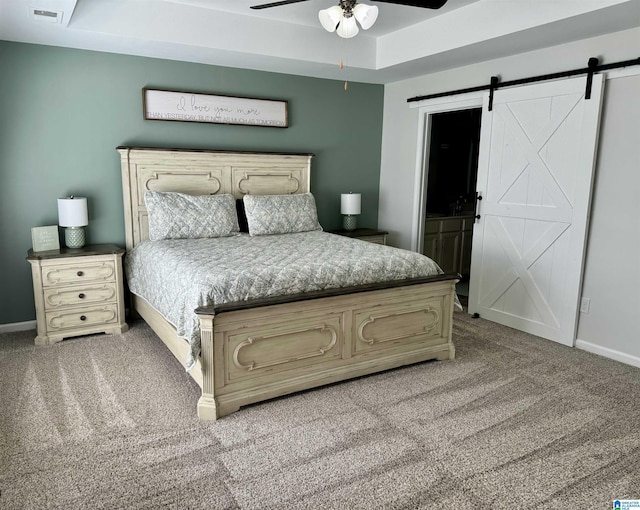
column 203, row 172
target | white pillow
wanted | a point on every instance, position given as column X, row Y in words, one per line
column 280, row 214
column 181, row 216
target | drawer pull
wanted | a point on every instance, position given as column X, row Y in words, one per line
column 80, row 273
column 81, row 295
column 83, row 317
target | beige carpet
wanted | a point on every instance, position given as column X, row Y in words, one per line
column 514, row 422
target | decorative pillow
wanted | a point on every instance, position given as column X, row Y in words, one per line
column 180, row 216
column 281, row 214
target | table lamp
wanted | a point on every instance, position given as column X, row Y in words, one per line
column 350, row 208
column 72, row 214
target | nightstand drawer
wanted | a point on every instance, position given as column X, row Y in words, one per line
column 375, row 239
column 370, row 235
column 75, row 273
column 82, row 317
column 56, row 297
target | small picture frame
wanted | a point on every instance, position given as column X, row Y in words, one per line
column 45, row 238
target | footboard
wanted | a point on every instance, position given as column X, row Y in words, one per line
column 252, row 353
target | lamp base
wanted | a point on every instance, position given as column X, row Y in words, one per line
column 74, row 237
column 349, row 222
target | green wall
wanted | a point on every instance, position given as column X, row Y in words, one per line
column 65, row 111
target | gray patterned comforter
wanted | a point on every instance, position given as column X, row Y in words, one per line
column 176, row 276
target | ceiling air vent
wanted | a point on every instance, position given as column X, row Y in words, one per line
column 46, row 15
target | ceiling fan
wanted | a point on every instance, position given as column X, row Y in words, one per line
column 342, row 18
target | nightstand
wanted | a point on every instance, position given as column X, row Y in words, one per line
column 365, row 234
column 77, row 292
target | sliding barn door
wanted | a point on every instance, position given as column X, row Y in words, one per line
column 537, row 156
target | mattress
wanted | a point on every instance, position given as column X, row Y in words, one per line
column 177, row 276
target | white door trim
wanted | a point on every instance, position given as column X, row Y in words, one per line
column 426, row 109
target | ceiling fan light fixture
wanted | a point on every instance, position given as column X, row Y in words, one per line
column 330, row 18
column 347, row 28
column 366, row 15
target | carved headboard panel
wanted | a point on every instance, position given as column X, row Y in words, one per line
column 202, row 172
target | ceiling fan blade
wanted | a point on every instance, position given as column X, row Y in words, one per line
column 276, row 4
column 428, row 4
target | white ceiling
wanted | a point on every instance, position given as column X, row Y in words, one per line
column 404, row 42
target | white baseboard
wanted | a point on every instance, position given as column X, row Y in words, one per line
column 608, row 353
column 17, row 326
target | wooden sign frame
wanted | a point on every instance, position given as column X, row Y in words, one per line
column 180, row 106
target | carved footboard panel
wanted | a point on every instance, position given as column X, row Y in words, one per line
column 253, row 354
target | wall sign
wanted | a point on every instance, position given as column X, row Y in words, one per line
column 194, row 107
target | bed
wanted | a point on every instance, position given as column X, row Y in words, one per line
column 250, row 350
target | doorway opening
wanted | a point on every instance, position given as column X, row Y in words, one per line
column 451, row 173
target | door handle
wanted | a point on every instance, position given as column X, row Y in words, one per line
column 478, row 199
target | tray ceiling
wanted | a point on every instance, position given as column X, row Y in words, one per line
column 405, row 41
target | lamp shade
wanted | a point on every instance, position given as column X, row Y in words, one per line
column 72, row 212
column 329, row 18
column 350, row 203
column 348, row 27
column 366, row 15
